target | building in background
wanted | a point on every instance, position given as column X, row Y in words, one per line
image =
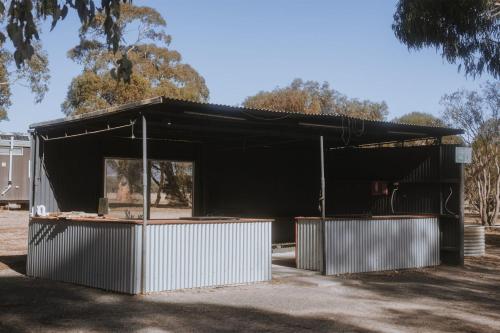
column 14, row 169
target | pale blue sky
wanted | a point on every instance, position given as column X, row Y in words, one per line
column 242, row 47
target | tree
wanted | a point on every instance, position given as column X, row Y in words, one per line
column 478, row 114
column 129, row 175
column 24, row 61
column 426, row 119
column 34, row 74
column 313, row 97
column 175, row 180
column 158, row 71
column 23, row 17
column 466, row 31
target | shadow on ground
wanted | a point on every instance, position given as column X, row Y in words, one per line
column 15, row 262
column 31, row 304
column 473, row 289
column 446, row 299
column 286, row 262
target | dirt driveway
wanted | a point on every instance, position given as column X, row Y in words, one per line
column 444, row 299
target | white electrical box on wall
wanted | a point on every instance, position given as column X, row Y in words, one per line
column 463, row 155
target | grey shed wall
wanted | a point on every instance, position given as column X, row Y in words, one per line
column 108, row 255
column 367, row 245
column 19, row 193
column 99, row 255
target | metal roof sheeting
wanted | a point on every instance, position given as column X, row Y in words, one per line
column 213, row 108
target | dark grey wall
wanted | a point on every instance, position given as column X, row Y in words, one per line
column 279, row 182
column 71, row 176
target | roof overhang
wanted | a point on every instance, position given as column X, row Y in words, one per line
column 178, row 115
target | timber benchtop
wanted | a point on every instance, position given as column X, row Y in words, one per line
column 110, row 220
column 367, row 217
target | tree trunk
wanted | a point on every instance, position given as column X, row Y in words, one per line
column 161, row 185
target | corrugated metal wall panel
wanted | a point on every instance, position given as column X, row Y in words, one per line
column 354, row 246
column 92, row 254
column 44, row 191
column 207, row 254
column 309, row 244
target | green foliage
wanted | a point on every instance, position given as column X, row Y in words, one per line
column 158, row 71
column 420, row 118
column 5, row 93
column 34, row 74
column 466, row 31
column 20, row 21
column 23, row 15
column 312, row 97
column 427, row 119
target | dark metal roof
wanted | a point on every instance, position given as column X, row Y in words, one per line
column 203, row 115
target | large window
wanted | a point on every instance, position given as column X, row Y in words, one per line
column 170, row 188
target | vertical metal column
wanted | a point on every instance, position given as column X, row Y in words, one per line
column 440, row 175
column 145, row 204
column 11, row 153
column 33, row 144
column 323, row 214
column 323, row 204
column 461, row 199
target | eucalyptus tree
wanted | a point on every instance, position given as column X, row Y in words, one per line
column 466, row 32
column 22, row 58
column 158, row 70
column 314, row 97
column 427, row 119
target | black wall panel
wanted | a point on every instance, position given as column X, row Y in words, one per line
column 273, row 181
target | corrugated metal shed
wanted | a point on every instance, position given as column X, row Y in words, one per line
column 254, row 163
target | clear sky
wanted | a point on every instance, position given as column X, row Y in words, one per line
column 242, row 47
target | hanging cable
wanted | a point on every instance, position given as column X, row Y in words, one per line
column 132, row 135
column 446, row 202
column 264, row 118
column 392, row 199
column 362, row 130
column 346, row 137
column 107, row 129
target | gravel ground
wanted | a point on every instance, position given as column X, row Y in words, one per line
column 442, row 299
